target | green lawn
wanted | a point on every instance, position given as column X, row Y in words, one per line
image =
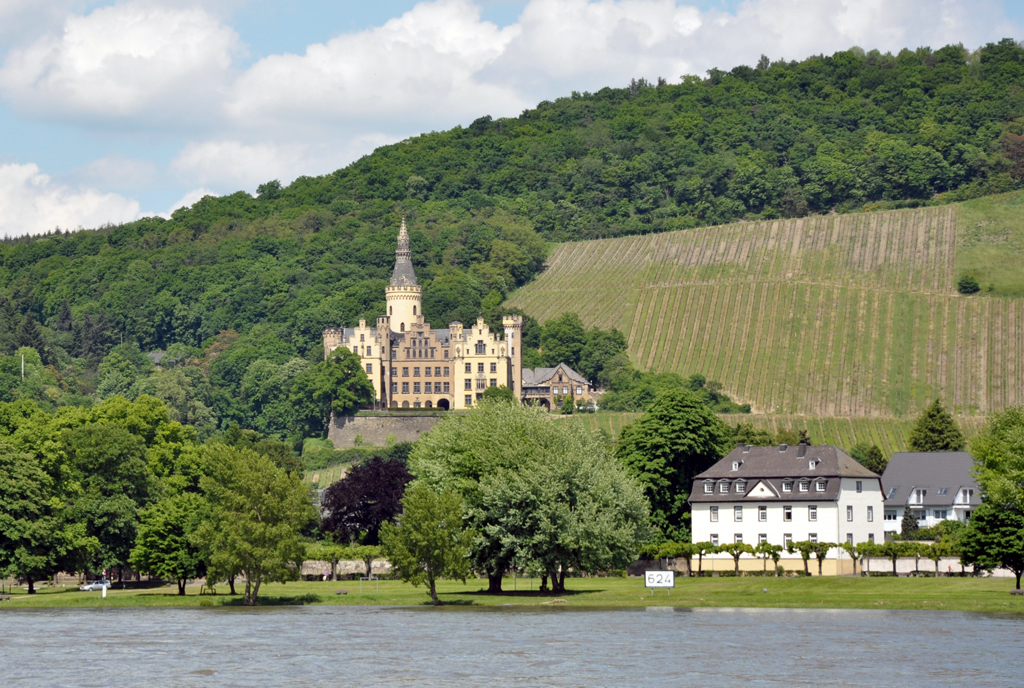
column 964, row 594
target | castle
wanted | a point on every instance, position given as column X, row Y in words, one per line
column 412, row 365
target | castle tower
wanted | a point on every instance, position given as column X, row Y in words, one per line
column 513, row 336
column 404, row 296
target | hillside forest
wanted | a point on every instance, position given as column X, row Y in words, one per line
column 236, row 290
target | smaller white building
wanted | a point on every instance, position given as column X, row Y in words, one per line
column 935, row 486
column 786, row 494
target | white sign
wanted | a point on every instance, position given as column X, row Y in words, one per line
column 659, row 579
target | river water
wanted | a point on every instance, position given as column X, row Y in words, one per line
column 375, row 646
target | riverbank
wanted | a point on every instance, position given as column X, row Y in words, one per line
column 961, row 594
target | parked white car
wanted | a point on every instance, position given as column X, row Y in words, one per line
column 96, row 585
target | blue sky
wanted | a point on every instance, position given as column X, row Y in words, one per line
column 114, row 109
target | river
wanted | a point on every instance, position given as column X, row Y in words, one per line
column 412, row 647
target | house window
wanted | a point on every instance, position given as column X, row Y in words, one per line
column 447, row 388
column 786, row 539
column 714, row 514
column 849, row 513
column 428, row 387
column 494, row 367
column 468, row 386
column 737, row 513
column 565, row 389
column 369, row 369
column 479, row 367
column 787, row 513
column 940, row 514
column 469, row 367
column 787, row 485
column 871, row 537
column 942, row 491
column 579, row 390
column 762, row 513
column 871, row 513
column 405, row 388
column 813, row 537
column 709, row 488
column 469, row 400
column 415, row 372
column 416, row 388
column 890, row 515
column 762, row 537
column 714, row 539
column 723, row 488
column 860, row 486
column 849, row 538
column 493, row 382
column 737, row 538
column 812, row 512
column 405, row 372
column 820, row 486
column 803, row 486
column 741, row 486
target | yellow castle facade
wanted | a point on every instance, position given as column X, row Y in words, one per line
column 413, row 365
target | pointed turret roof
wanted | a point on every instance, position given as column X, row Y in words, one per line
column 403, row 276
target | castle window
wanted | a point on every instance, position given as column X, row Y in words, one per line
column 427, row 371
column 479, row 367
column 416, row 388
column 446, row 373
column 481, row 348
column 362, row 337
column 494, row 367
column 468, row 386
column 437, row 372
column 469, row 367
column 432, row 352
column 369, row 351
column 469, row 400
column 405, row 372
column 428, row 387
column 447, row 388
column 494, row 382
column 405, row 388
column 394, row 372
column 391, row 310
column 481, row 384
column 415, row 372
column 446, row 353
column 403, row 327
column 394, row 388
column 369, row 369
column 414, row 310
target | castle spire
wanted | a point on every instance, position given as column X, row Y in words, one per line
column 404, row 275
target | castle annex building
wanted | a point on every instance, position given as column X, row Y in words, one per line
column 413, row 365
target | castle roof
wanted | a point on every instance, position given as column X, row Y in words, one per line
column 403, row 275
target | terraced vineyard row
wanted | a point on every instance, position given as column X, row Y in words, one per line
column 847, row 316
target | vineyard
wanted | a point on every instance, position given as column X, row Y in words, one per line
column 838, row 316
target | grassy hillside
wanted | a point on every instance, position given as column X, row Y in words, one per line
column 836, row 315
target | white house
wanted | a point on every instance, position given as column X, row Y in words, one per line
column 783, row 494
column 934, row 485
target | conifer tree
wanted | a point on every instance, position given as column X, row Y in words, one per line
column 908, row 526
column 64, row 322
column 935, row 431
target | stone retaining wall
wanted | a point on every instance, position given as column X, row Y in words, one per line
column 378, row 431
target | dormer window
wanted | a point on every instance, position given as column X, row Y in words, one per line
column 724, row 488
column 709, row 488
column 741, row 487
column 787, row 485
column 735, row 465
column 803, row 485
column 811, row 464
column 820, row 486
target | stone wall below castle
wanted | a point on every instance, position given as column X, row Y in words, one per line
column 378, row 431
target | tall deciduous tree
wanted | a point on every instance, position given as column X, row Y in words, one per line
column 935, row 431
column 429, row 541
column 257, row 512
column 678, row 438
column 998, row 452
column 368, row 496
column 166, row 545
column 995, row 538
column 336, row 386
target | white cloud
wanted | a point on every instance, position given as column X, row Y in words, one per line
column 117, row 171
column 31, row 203
column 237, row 164
column 135, row 61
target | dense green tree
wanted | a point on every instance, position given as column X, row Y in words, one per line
column 429, row 541
column 994, row 539
column 501, row 393
column 998, row 451
column 936, row 431
column 736, row 550
column 869, row 456
column 355, row 507
column 562, row 340
column 166, row 545
column 336, row 386
column 257, row 513
column 677, row 438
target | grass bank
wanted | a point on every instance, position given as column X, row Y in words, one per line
column 963, row 594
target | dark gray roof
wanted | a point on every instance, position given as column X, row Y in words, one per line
column 931, row 471
column 156, row 356
column 537, row 376
column 403, row 275
column 776, row 465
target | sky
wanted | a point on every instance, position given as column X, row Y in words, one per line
column 110, row 111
